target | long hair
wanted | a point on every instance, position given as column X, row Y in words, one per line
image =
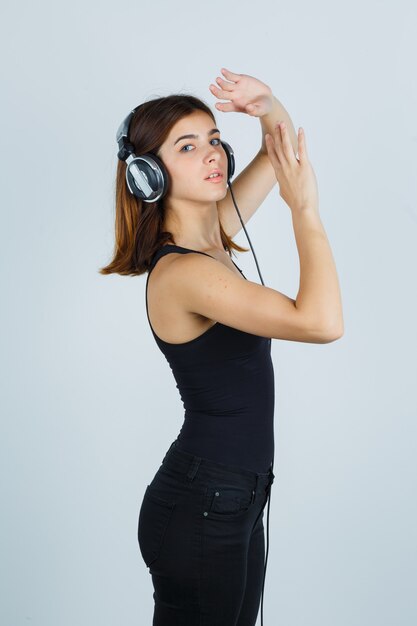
column 138, row 225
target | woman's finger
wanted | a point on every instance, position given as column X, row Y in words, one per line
column 230, row 75
column 273, row 157
column 302, row 148
column 278, row 143
column 224, row 84
column 220, row 93
column 226, row 107
column 287, row 145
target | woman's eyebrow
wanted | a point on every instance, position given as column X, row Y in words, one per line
column 210, row 132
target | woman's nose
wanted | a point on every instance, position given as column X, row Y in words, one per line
column 213, row 156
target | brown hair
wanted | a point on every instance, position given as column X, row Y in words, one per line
column 138, row 225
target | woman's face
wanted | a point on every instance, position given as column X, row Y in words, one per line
column 190, row 160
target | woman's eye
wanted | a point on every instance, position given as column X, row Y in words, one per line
column 189, row 144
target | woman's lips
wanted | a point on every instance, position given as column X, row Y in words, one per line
column 216, row 179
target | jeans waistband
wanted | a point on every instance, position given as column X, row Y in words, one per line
column 189, row 465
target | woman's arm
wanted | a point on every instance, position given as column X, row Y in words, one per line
column 278, row 113
column 246, row 94
column 319, row 298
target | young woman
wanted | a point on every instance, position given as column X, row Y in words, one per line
column 200, row 527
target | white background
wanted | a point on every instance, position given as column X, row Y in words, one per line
column 88, row 402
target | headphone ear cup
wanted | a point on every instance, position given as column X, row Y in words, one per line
column 147, row 177
column 230, row 159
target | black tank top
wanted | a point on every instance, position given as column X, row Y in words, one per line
column 225, row 378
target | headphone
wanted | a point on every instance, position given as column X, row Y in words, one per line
column 146, row 176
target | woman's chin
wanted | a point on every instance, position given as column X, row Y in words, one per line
column 218, row 190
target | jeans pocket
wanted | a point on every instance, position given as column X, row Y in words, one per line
column 154, row 517
column 226, row 501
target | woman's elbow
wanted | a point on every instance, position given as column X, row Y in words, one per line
column 332, row 333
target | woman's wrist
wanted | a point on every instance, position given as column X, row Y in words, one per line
column 307, row 216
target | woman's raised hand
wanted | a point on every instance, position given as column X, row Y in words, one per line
column 296, row 177
column 245, row 94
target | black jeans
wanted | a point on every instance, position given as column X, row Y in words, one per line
column 201, row 534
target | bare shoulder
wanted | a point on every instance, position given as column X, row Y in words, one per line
column 166, row 313
column 204, row 286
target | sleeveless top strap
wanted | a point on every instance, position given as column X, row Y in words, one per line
column 167, row 248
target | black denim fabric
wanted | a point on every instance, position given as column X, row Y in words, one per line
column 201, row 534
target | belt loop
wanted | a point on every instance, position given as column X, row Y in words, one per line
column 195, row 463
